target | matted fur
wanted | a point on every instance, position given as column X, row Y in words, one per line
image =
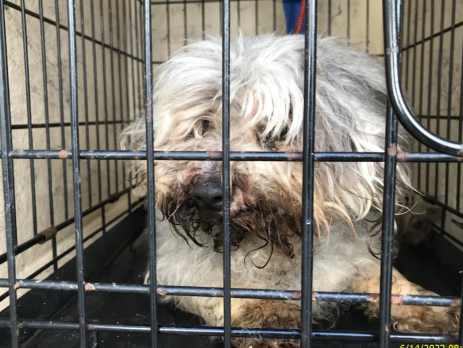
column 267, row 115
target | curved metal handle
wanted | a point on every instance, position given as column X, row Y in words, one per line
column 396, row 97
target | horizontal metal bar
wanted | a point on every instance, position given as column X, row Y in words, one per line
column 239, row 332
column 45, row 235
column 59, row 125
column 40, row 238
column 234, row 156
column 433, row 200
column 111, row 199
column 341, row 297
column 67, row 251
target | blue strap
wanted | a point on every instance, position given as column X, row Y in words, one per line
column 291, row 8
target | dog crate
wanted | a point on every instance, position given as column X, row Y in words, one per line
column 72, row 249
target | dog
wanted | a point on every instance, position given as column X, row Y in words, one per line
column 266, row 114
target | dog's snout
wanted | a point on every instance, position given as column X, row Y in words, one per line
column 208, row 194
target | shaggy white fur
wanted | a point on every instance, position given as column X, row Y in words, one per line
column 267, row 115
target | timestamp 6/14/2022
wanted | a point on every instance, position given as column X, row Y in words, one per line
column 432, row 345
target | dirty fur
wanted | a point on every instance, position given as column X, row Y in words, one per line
column 266, row 114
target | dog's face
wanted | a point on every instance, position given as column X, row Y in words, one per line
column 265, row 197
column 266, row 114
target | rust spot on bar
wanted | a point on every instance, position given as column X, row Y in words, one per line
column 460, row 154
column 90, row 327
column 48, row 233
column 215, row 154
column 16, row 286
column 292, row 156
column 374, row 298
column 397, row 299
column 162, row 293
column 297, row 295
column 402, row 156
column 89, row 287
column 63, row 154
column 392, row 151
column 456, row 303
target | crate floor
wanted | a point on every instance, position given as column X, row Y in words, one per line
column 133, row 309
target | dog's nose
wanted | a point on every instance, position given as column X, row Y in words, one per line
column 208, row 194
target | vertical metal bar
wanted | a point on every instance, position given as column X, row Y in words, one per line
column 105, row 97
column 407, row 50
column 368, row 26
column 185, row 23
column 124, row 11
column 449, row 108
column 29, row 117
column 348, row 19
column 8, row 179
column 132, row 53
column 76, row 172
column 121, row 96
column 203, row 18
column 239, row 12
column 274, row 15
column 392, row 13
column 47, row 128
column 150, row 169
column 308, row 170
column 460, row 139
column 168, row 28
column 330, row 13
column 84, row 66
column 138, row 54
column 430, row 85
column 256, row 4
column 388, row 229
column 61, row 108
column 414, row 54
column 420, row 113
column 226, row 171
column 97, row 113
column 113, row 92
column 439, row 96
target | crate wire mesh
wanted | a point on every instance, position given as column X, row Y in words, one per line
column 124, row 51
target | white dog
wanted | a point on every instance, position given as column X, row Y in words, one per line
column 267, row 115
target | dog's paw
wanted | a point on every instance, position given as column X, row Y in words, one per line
column 268, row 315
column 433, row 320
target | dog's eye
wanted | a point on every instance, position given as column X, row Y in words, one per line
column 199, row 130
column 270, row 141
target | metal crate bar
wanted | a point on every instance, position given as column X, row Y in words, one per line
column 234, row 156
column 226, row 172
column 241, row 332
column 8, row 179
column 45, row 234
column 285, row 295
column 150, row 168
column 67, row 251
column 396, row 97
column 76, row 173
column 310, row 68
